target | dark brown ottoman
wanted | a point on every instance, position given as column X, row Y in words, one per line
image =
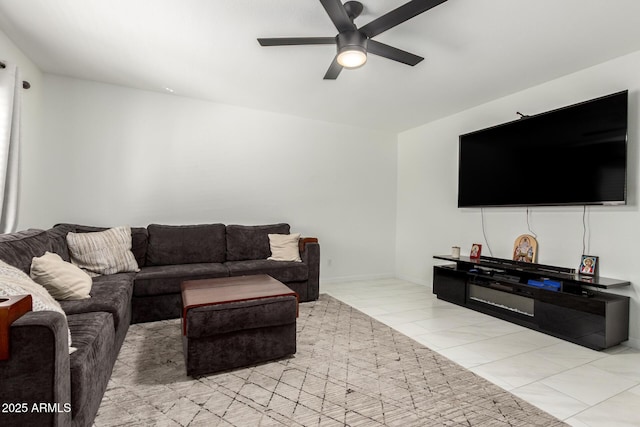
column 236, row 321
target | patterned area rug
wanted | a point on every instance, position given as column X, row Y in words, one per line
column 350, row 370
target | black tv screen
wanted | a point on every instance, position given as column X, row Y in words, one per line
column 575, row 155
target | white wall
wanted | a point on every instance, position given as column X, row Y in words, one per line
column 429, row 222
column 31, row 120
column 112, row 155
column 108, row 155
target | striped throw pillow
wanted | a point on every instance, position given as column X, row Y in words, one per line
column 103, row 252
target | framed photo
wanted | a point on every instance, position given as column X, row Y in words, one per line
column 589, row 265
column 525, row 248
column 476, row 250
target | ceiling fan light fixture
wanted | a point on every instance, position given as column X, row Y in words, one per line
column 352, row 57
column 352, row 49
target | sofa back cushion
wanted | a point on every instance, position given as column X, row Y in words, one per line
column 17, row 249
column 138, row 238
column 58, row 240
column 186, row 244
column 247, row 242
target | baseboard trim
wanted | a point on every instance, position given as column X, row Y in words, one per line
column 415, row 280
column 356, row 278
column 633, row 343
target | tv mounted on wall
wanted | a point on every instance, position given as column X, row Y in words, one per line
column 576, row 155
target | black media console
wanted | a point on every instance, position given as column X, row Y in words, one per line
column 556, row 303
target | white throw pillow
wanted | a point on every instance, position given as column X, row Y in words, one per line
column 284, row 247
column 103, row 252
column 63, row 280
column 15, row 282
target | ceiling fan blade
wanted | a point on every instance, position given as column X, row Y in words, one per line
column 393, row 53
column 338, row 15
column 289, row 41
column 334, row 70
column 398, row 16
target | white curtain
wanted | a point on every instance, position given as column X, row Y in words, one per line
column 10, row 100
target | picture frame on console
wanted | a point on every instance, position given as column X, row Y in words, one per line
column 476, row 250
column 588, row 265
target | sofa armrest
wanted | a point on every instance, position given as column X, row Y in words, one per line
column 37, row 372
column 302, row 243
column 11, row 309
column 311, row 256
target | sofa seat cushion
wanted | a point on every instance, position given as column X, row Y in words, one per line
column 110, row 294
column 284, row 271
column 186, row 244
column 247, row 242
column 166, row 279
column 93, row 335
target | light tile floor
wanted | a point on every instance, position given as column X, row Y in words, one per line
column 583, row 387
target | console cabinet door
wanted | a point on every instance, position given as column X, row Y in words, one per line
column 577, row 326
column 449, row 284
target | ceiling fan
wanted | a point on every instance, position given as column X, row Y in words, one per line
column 354, row 43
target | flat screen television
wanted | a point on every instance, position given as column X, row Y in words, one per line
column 576, row 155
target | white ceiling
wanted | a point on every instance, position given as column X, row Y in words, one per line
column 475, row 50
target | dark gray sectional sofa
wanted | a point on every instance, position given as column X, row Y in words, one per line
column 40, row 370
